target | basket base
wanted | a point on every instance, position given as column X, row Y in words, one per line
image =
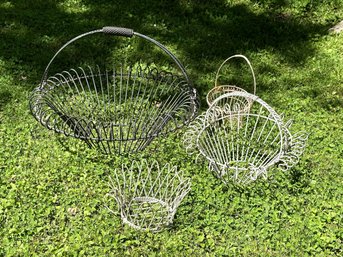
column 239, row 172
column 147, row 213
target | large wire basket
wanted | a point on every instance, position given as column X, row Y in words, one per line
column 148, row 195
column 220, row 89
column 241, row 145
column 116, row 110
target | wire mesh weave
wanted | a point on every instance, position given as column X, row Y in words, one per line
column 148, row 195
column 239, row 144
column 115, row 110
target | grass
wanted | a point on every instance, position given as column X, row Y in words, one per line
column 52, row 190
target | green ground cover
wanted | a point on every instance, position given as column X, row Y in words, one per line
column 52, row 190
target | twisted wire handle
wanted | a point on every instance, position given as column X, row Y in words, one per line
column 124, row 32
column 236, row 56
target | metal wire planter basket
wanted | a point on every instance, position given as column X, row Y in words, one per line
column 219, row 89
column 148, row 195
column 241, row 145
column 116, row 110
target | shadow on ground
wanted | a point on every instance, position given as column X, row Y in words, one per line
column 203, row 33
column 5, row 98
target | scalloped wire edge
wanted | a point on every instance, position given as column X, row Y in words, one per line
column 293, row 149
column 116, row 191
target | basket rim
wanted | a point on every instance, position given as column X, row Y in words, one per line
column 222, row 89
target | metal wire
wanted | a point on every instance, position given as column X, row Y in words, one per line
column 148, row 195
column 239, row 144
column 220, row 89
column 295, row 147
column 117, row 110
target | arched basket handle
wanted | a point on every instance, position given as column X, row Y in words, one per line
column 118, row 31
column 237, row 56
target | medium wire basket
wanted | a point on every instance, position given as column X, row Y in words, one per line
column 241, row 145
column 116, row 110
column 220, row 89
column 148, row 195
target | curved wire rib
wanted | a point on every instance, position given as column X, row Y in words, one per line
column 294, row 150
column 116, row 112
column 242, row 144
column 148, row 195
column 189, row 138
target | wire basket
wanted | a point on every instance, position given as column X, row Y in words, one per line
column 241, row 145
column 148, row 195
column 116, row 110
column 219, row 90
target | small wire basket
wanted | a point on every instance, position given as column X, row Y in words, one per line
column 148, row 195
column 241, row 145
column 119, row 109
column 219, row 89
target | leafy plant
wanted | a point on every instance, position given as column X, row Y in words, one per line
column 52, row 188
